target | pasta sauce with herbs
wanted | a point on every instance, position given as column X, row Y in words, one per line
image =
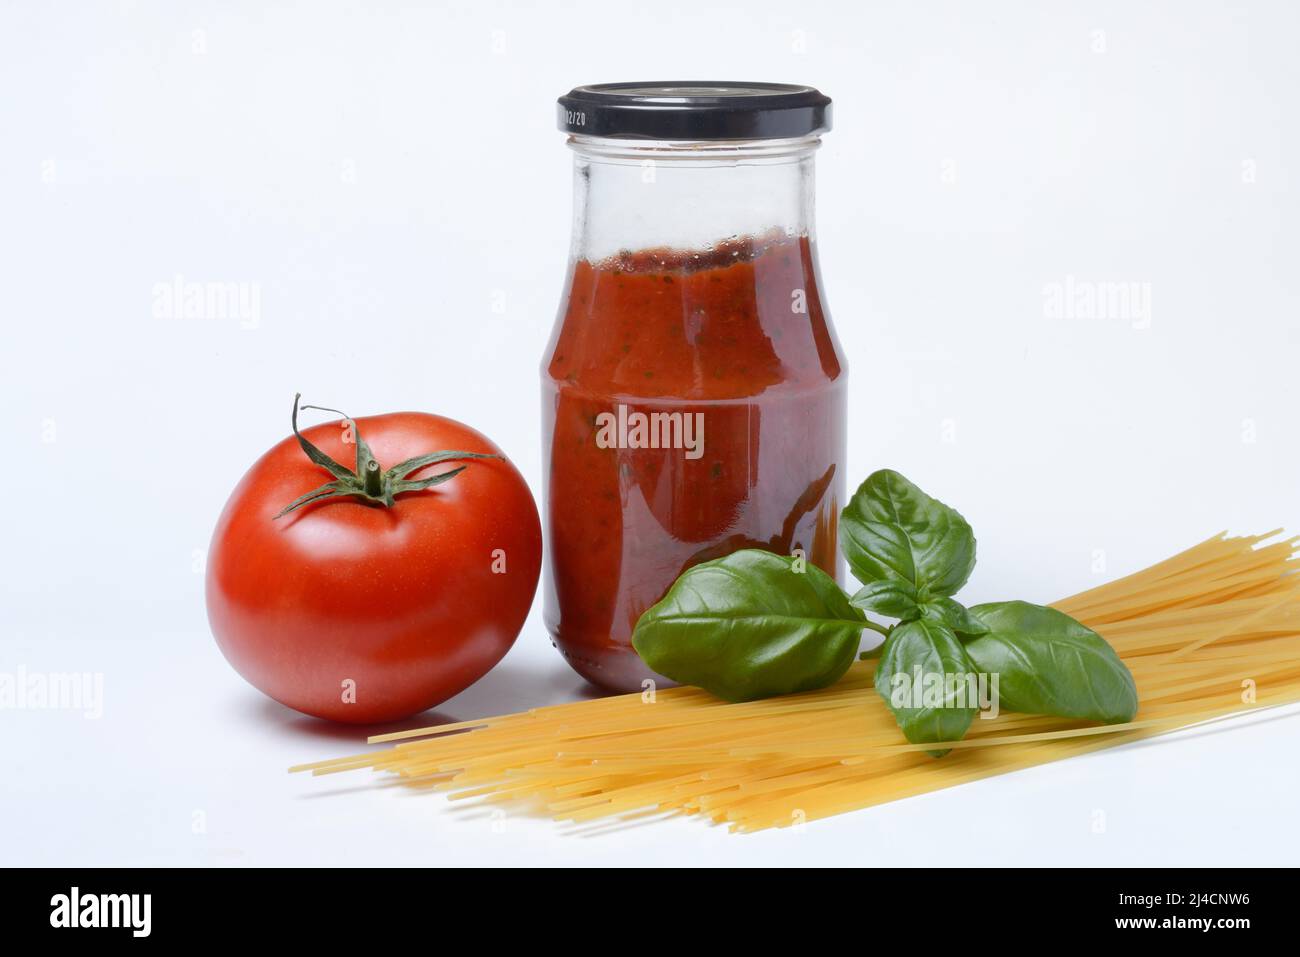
column 695, row 405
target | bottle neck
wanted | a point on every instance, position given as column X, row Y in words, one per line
column 638, row 195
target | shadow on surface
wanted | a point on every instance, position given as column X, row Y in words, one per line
column 503, row 690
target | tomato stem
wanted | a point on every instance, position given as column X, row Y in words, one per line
column 374, row 479
column 370, row 482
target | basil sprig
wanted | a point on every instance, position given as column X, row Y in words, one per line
column 913, row 553
column 753, row 625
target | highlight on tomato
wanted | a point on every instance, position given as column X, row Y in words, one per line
column 368, row 592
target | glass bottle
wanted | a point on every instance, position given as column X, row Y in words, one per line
column 693, row 389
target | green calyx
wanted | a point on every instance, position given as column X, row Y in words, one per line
column 368, row 481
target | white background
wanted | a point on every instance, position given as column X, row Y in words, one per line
column 386, row 174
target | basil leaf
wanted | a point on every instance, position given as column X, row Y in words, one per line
column 1048, row 663
column 955, row 615
column 892, row 531
column 895, row 599
column 750, row 626
column 923, row 677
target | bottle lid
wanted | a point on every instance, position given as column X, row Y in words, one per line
column 695, row 110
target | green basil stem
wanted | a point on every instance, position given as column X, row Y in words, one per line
column 880, row 629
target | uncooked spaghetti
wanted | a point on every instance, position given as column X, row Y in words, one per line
column 1210, row 633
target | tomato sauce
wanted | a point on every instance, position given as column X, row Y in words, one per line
column 695, row 405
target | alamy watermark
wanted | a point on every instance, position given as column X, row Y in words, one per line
column 24, row 690
column 1108, row 300
column 74, row 909
column 624, row 429
column 933, row 689
column 231, row 300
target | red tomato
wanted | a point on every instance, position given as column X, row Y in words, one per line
column 350, row 610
